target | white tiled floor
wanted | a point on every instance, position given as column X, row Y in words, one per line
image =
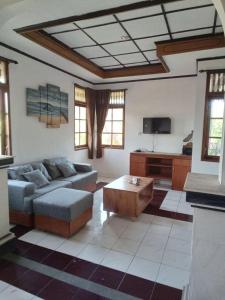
column 9, row 292
column 154, row 248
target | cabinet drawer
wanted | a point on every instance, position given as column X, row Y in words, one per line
column 137, row 159
column 182, row 162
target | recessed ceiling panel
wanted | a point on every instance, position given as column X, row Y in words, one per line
column 140, row 12
column 185, row 4
column 95, row 21
column 74, row 39
column 94, row 51
column 130, row 58
column 148, row 44
column 113, row 67
column 151, row 55
column 106, row 61
column 196, row 18
column 146, row 27
column 107, row 33
column 69, row 26
column 137, row 64
column 120, row 48
column 192, row 33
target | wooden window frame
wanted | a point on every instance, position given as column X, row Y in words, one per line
column 111, row 106
column 80, row 104
column 209, row 96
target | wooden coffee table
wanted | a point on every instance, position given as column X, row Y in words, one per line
column 126, row 199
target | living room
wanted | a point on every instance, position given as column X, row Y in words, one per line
column 120, row 211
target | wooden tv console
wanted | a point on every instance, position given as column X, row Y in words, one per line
column 161, row 166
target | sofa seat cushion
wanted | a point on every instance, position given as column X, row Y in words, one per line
column 64, row 204
column 80, row 180
column 55, row 184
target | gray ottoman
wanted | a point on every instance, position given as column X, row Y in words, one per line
column 63, row 211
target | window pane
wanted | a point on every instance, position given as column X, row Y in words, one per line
column 109, row 114
column 216, row 108
column 83, row 113
column 80, row 94
column 215, row 127
column 214, row 147
column 117, row 139
column 77, row 127
column 118, row 127
column 77, row 140
column 118, row 114
column 83, row 126
column 2, row 72
column 108, row 126
column 77, row 112
column 106, row 139
column 83, row 139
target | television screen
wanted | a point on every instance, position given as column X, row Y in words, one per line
column 157, row 125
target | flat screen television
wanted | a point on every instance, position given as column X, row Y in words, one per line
column 157, row 125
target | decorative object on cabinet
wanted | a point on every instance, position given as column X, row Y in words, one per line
column 49, row 104
column 187, row 148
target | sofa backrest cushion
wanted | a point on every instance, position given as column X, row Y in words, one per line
column 66, row 168
column 51, row 166
column 40, row 166
column 16, row 173
column 37, row 178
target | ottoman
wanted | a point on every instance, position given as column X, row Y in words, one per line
column 63, row 211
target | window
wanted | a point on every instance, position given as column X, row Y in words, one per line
column 113, row 132
column 5, row 141
column 214, row 112
column 80, row 137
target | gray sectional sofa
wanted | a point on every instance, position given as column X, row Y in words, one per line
column 22, row 192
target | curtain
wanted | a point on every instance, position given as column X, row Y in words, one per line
column 102, row 103
column 90, row 100
column 2, row 124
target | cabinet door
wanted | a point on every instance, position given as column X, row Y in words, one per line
column 137, row 166
column 180, row 170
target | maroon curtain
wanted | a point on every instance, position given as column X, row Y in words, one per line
column 90, row 100
column 102, row 103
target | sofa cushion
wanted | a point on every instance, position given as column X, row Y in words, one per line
column 51, row 166
column 16, row 173
column 37, row 178
column 54, row 184
column 64, row 204
column 41, row 167
column 81, row 179
column 66, row 168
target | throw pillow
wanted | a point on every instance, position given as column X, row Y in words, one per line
column 41, row 167
column 16, row 173
column 67, row 168
column 52, row 168
column 37, row 178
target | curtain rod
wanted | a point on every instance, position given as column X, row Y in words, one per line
column 8, row 60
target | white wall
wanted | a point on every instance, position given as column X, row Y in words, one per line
column 198, row 165
column 31, row 139
column 174, row 98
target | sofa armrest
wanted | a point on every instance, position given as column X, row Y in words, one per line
column 83, row 167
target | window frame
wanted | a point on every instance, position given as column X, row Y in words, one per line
column 80, row 104
column 210, row 96
column 123, row 106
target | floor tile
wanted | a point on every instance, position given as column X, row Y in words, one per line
column 145, row 218
column 14, row 293
column 58, row 290
column 37, row 253
column 173, row 277
column 177, row 259
column 3, row 285
column 117, row 260
column 93, row 253
column 10, row 272
column 103, row 240
column 51, row 242
column 21, row 247
column 33, row 236
column 126, row 246
column 151, row 253
column 108, row 277
column 135, row 233
column 83, row 236
column 181, row 231
column 137, row 287
column 162, row 221
column 163, row 292
column 20, row 230
column 71, row 247
column 179, row 245
column 160, row 229
column 81, row 268
column 58, row 260
column 86, row 295
column 144, row 268
column 155, row 240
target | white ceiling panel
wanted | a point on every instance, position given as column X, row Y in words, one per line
column 130, row 58
column 191, row 19
column 185, row 4
column 113, row 67
column 120, row 48
column 106, row 61
column 192, row 33
column 95, row 21
column 140, row 12
column 146, row 27
column 60, row 28
column 147, row 44
column 151, row 55
column 94, row 51
column 74, row 39
column 137, row 64
column 107, row 33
